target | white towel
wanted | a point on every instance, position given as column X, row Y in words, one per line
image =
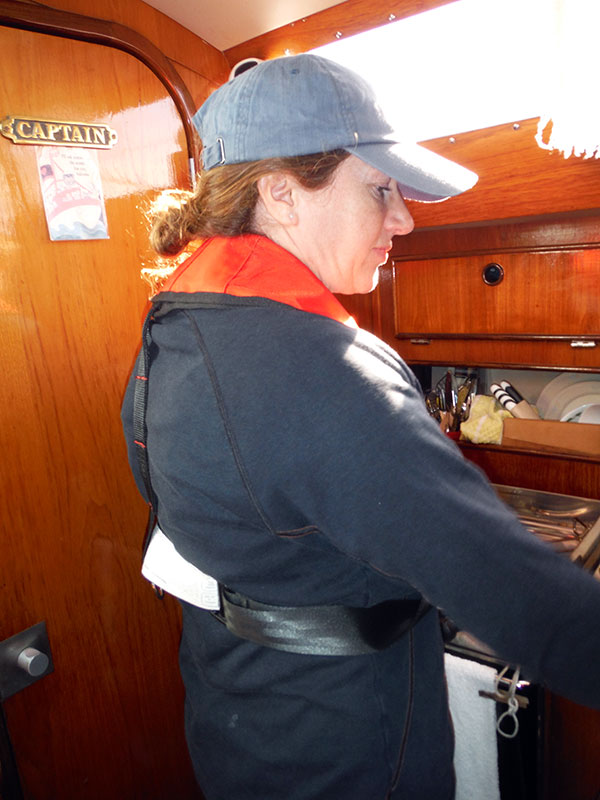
column 163, row 566
column 474, row 719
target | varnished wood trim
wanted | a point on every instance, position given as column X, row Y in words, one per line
column 468, row 447
column 551, row 232
column 577, row 475
column 347, row 19
column 517, row 178
column 42, row 19
column 501, row 337
column 484, row 363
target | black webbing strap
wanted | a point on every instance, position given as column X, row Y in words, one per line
column 320, row 630
column 312, row 630
column 140, row 431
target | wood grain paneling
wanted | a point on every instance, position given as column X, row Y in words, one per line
column 546, row 472
column 362, row 308
column 199, row 86
column 577, row 231
column 176, row 42
column 344, row 19
column 552, row 293
column 516, row 178
column 28, row 16
column 108, row 722
column 498, row 353
column 443, row 313
column 544, row 313
column 572, row 745
column 193, row 70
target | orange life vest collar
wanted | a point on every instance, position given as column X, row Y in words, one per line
column 254, row 266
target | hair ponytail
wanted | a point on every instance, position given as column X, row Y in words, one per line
column 224, row 201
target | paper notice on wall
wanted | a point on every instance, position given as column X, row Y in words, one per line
column 72, row 193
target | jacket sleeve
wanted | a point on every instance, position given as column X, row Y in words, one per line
column 375, row 473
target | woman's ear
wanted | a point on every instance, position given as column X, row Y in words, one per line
column 277, row 192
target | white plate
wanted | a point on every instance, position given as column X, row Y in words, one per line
column 559, row 401
column 573, row 410
column 558, row 384
column 591, row 414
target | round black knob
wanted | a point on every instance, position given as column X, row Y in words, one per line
column 492, row 274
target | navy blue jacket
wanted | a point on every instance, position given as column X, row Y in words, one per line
column 293, row 460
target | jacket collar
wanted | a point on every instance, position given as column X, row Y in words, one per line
column 254, row 266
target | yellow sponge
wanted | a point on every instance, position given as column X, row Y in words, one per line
column 484, row 425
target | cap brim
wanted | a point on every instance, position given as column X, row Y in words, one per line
column 421, row 174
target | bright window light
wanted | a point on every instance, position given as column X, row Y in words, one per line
column 467, row 65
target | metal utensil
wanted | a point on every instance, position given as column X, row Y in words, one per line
column 433, row 406
column 449, row 392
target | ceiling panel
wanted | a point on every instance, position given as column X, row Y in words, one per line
column 225, row 23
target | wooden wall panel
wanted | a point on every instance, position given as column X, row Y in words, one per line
column 344, row 19
column 199, row 86
column 180, row 45
column 517, row 178
column 108, row 722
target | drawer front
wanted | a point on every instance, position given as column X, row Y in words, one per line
column 502, row 353
column 534, row 294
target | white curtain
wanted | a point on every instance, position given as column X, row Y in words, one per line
column 570, row 119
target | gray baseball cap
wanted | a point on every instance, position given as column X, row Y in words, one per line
column 298, row 105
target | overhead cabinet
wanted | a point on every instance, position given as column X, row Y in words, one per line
column 507, row 274
column 500, row 309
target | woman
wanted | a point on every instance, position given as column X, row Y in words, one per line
column 288, row 456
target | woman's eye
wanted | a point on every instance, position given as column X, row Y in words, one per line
column 381, row 191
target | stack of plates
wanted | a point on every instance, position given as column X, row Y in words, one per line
column 569, row 396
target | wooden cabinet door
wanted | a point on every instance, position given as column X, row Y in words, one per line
column 108, row 722
column 537, row 294
column 541, row 312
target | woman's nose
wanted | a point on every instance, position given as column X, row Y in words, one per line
column 399, row 220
